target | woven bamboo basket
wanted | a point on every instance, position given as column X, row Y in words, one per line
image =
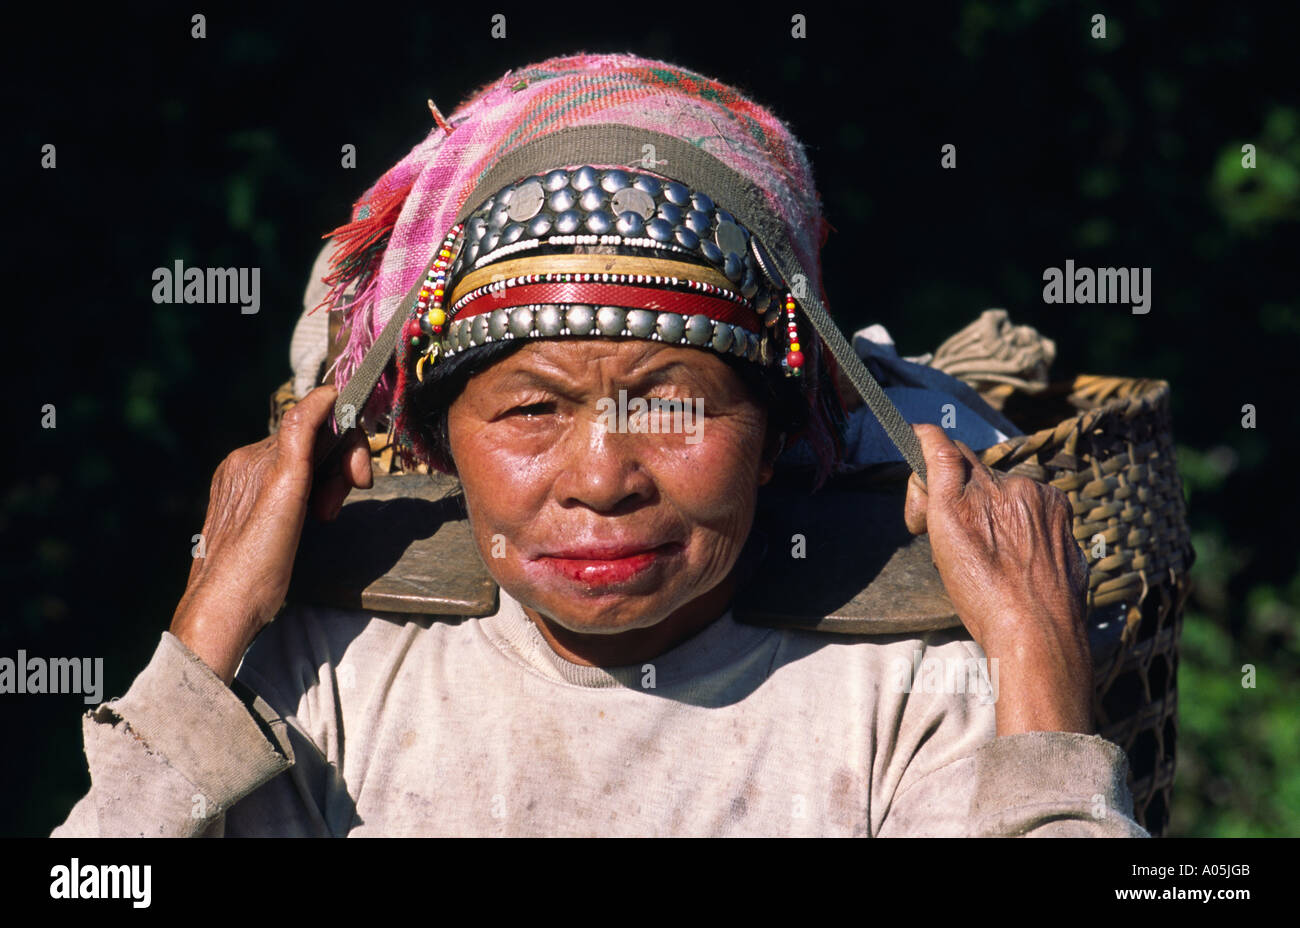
column 1107, row 443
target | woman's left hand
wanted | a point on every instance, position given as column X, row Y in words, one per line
column 1006, row 553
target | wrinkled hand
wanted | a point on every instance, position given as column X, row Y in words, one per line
column 259, row 499
column 1007, row 556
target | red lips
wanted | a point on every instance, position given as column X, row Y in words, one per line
column 602, row 565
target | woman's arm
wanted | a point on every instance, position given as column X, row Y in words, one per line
column 1005, row 549
column 181, row 747
column 259, row 500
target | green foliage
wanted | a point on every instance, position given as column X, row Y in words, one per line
column 1238, row 768
column 1254, row 199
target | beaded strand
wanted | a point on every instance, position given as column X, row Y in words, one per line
column 429, row 315
column 793, row 361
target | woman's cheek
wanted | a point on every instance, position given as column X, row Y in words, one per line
column 514, row 452
column 713, row 484
column 505, row 478
column 710, row 477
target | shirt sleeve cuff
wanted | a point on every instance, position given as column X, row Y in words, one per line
column 183, row 712
column 1052, row 783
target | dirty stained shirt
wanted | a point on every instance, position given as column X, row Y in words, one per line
column 352, row 723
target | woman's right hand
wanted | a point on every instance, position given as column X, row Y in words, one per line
column 260, row 496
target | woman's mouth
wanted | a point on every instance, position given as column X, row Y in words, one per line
column 606, row 565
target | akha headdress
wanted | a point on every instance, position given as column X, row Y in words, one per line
column 671, row 267
column 603, row 195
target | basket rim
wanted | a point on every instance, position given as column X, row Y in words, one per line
column 1109, row 395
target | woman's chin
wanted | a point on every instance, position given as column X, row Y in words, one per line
column 597, row 612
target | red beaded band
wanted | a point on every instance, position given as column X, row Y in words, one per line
column 651, row 298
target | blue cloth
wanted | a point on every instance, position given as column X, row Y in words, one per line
column 922, row 394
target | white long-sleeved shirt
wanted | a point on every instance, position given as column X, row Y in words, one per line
column 348, row 723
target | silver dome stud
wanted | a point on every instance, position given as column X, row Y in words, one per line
column 592, row 199
column 630, row 224
column 650, row 185
column 610, row 320
column 521, row 322
column 561, row 200
column 699, row 330
column 600, row 223
column 583, row 178
column 730, row 238
column 671, row 327
column 498, row 324
column 549, row 320
column 676, row 193
column 722, row 337
column 540, row 226
column 670, row 213
column 580, row 319
column 568, row 221
column 641, row 322
column 659, row 230
column 615, row 180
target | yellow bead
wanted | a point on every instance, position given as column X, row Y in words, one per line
column 437, row 317
column 794, row 346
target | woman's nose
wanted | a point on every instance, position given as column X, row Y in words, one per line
column 602, row 468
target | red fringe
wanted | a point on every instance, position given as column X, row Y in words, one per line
column 355, row 237
column 361, row 242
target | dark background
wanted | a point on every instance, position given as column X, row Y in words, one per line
column 224, row 151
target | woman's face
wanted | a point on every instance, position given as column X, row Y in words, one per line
column 603, row 525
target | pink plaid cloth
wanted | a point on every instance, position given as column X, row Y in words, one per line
column 534, row 101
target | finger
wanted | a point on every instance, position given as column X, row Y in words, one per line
column 979, row 472
column 968, row 454
column 914, row 508
column 357, row 467
column 298, row 428
column 977, row 467
column 947, row 469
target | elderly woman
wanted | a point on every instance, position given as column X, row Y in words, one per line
column 611, row 363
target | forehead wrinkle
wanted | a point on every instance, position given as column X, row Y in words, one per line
column 559, row 368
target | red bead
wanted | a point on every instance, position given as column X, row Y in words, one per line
column 794, row 358
column 413, row 328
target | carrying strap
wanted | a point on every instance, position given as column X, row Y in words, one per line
column 686, row 164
